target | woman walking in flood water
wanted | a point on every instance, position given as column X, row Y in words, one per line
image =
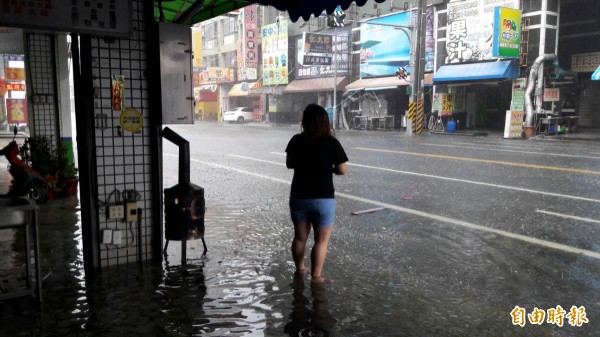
column 315, row 155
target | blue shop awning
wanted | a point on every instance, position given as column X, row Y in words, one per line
column 596, row 75
column 473, row 72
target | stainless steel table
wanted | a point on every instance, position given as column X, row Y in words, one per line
column 22, row 213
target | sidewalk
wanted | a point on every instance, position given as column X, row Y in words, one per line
column 582, row 134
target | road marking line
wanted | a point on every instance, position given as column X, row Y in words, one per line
column 566, row 216
column 424, row 175
column 539, row 242
column 487, row 161
column 256, row 159
column 514, row 151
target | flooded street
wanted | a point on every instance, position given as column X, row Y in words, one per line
column 471, row 228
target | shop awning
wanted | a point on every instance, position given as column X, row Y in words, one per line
column 596, row 75
column 382, row 83
column 316, row 84
column 472, row 72
column 208, row 87
column 193, row 11
column 241, row 89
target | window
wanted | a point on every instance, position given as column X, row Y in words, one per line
column 230, row 59
column 209, row 35
column 229, row 26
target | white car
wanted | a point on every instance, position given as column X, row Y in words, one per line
column 239, row 115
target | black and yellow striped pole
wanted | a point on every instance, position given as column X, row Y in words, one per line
column 411, row 116
column 418, row 124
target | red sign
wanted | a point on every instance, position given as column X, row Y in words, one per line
column 14, row 74
column 16, row 109
column 14, row 86
column 118, row 82
column 551, row 95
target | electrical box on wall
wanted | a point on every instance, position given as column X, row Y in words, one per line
column 131, row 211
column 116, row 212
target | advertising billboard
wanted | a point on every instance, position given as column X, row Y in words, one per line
column 507, row 32
column 317, row 43
column 320, row 68
column 470, row 30
column 385, row 45
column 16, row 109
column 275, row 53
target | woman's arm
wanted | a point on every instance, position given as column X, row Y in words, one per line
column 340, row 169
column 289, row 162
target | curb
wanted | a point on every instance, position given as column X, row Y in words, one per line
column 460, row 133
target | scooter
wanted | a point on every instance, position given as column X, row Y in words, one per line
column 26, row 181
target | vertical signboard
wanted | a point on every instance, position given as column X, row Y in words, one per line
column 507, row 32
column 248, row 49
column 518, row 95
column 447, row 105
column 275, row 53
column 471, row 29
column 197, row 47
column 513, row 125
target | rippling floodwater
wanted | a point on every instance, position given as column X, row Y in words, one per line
column 238, row 289
column 395, row 274
column 244, row 286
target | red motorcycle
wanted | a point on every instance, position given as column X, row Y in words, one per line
column 26, row 181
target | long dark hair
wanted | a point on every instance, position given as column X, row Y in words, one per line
column 315, row 122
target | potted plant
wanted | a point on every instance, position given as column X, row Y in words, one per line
column 41, row 154
column 67, row 178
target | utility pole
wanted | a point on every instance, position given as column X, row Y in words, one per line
column 334, row 45
column 415, row 106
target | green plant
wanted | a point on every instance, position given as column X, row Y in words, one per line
column 40, row 153
column 68, row 171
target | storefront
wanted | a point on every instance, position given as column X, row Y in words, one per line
column 481, row 92
column 478, row 56
column 242, row 95
column 206, row 97
column 379, row 97
column 314, row 90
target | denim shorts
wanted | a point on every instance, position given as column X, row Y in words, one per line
column 319, row 212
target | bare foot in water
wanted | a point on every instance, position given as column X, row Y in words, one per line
column 321, row 280
column 302, row 271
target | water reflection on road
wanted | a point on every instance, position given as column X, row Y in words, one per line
column 396, row 273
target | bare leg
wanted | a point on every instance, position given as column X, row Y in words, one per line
column 301, row 231
column 319, row 252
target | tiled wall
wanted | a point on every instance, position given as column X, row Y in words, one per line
column 42, row 83
column 123, row 158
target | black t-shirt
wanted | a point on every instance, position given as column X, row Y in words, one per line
column 313, row 161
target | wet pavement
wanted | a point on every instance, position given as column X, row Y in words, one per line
column 439, row 260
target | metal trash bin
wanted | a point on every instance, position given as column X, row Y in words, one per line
column 184, row 202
